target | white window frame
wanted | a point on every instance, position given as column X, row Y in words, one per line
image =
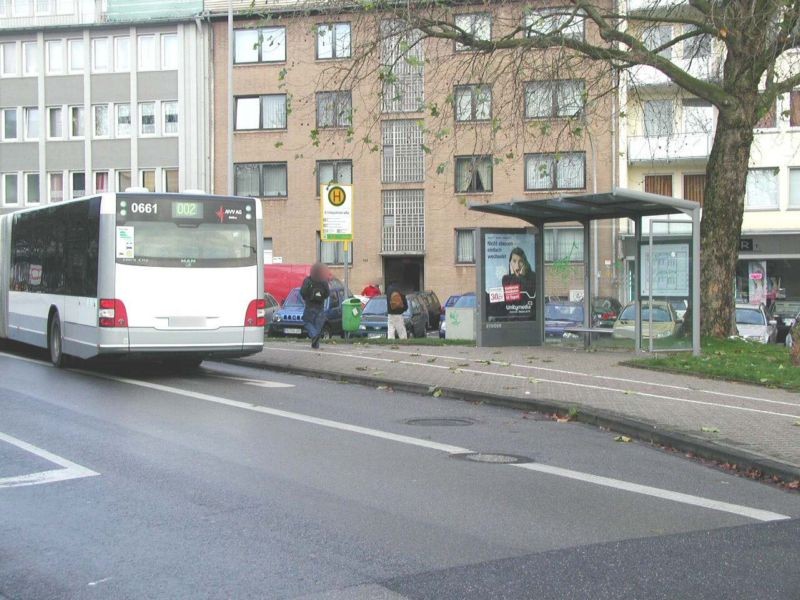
column 165, row 175
column 554, row 158
column 96, row 44
column 141, row 64
column 82, row 131
column 794, row 188
column 50, row 122
column 25, row 112
column 94, row 181
column 72, row 44
column 17, row 201
column 19, row 124
column 72, row 190
column 262, row 34
column 329, row 32
column 118, row 54
column 169, row 59
column 29, row 70
column 118, row 179
column 141, row 116
column 774, row 204
column 472, row 23
column 5, row 48
column 165, row 105
column 117, row 128
column 109, row 112
column 26, row 182
column 22, row 8
column 55, row 49
column 143, row 173
column 50, row 178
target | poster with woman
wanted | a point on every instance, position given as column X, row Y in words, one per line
column 510, row 279
column 757, row 273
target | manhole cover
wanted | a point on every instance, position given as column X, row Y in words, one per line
column 489, row 457
column 440, row 422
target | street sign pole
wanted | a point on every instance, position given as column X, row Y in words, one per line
column 336, row 214
column 346, row 246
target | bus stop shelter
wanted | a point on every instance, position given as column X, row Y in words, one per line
column 585, row 208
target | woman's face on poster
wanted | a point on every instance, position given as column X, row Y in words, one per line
column 517, row 265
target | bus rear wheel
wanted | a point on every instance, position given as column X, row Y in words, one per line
column 55, row 342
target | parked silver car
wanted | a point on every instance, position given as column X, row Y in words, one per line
column 753, row 325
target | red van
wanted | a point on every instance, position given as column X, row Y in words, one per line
column 279, row 279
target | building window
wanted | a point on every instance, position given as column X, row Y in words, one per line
column 32, row 193
column 465, row 246
column 76, row 56
column 147, row 52
column 564, row 22
column 169, row 51
column 558, row 98
column 403, row 222
column 259, row 45
column 267, row 251
column 332, row 253
column 77, row 122
column 698, row 116
column 122, row 54
column 78, row 181
column 170, row 117
column 658, row 36
column 100, row 182
column 10, row 189
column 147, row 179
column 473, row 102
column 55, row 187
column 123, row 180
column 55, row 57
column 31, row 123
column 100, row 117
column 565, row 171
column 658, row 184
column 762, row 189
column 261, row 180
column 479, row 26
column 9, row 116
column 55, row 121
column 659, row 117
column 30, row 58
column 334, row 109
column 769, row 120
column 147, row 118
column 171, row 180
column 694, row 188
column 403, row 157
column 23, row 8
column 334, row 171
column 698, row 46
column 473, row 174
column 563, row 243
column 100, row 58
column 794, row 108
column 261, row 112
column 403, row 69
column 8, row 65
column 333, row 40
column 794, row 188
column 123, row 113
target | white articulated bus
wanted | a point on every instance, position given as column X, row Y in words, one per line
column 171, row 276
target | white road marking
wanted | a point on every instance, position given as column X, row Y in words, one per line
column 94, row 583
column 567, row 383
column 256, row 382
column 745, row 511
column 70, row 469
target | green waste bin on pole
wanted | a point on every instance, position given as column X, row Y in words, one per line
column 351, row 314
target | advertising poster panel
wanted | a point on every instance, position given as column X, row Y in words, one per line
column 510, row 278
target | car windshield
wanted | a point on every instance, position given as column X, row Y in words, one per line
column 749, row 316
column 466, row 301
column 376, row 306
column 294, row 299
column 563, row 312
column 660, row 315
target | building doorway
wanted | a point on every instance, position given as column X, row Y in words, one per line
column 405, row 271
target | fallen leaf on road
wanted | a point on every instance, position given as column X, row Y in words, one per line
column 432, row 360
column 763, row 380
column 361, row 368
column 623, row 438
column 709, row 430
column 394, row 347
column 463, row 364
column 796, row 423
column 794, row 485
column 437, row 393
column 533, row 380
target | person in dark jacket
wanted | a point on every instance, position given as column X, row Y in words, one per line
column 396, row 305
column 314, row 292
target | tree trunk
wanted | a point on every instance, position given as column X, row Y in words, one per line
column 726, row 179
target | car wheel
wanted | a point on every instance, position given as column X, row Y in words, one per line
column 326, row 333
column 55, row 342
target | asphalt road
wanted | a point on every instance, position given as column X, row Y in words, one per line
column 239, row 483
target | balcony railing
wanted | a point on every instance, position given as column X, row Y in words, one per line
column 670, row 148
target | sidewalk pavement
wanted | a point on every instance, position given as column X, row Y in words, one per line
column 752, row 427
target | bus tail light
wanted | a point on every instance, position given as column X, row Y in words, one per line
column 112, row 313
column 256, row 313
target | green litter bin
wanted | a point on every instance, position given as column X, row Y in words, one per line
column 351, row 314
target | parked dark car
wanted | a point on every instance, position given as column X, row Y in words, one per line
column 288, row 321
column 605, row 311
column 559, row 316
column 430, row 301
column 271, row 307
column 375, row 323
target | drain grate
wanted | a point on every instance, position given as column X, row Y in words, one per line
column 434, row 422
column 493, row 458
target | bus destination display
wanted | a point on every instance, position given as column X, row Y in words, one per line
column 187, row 210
